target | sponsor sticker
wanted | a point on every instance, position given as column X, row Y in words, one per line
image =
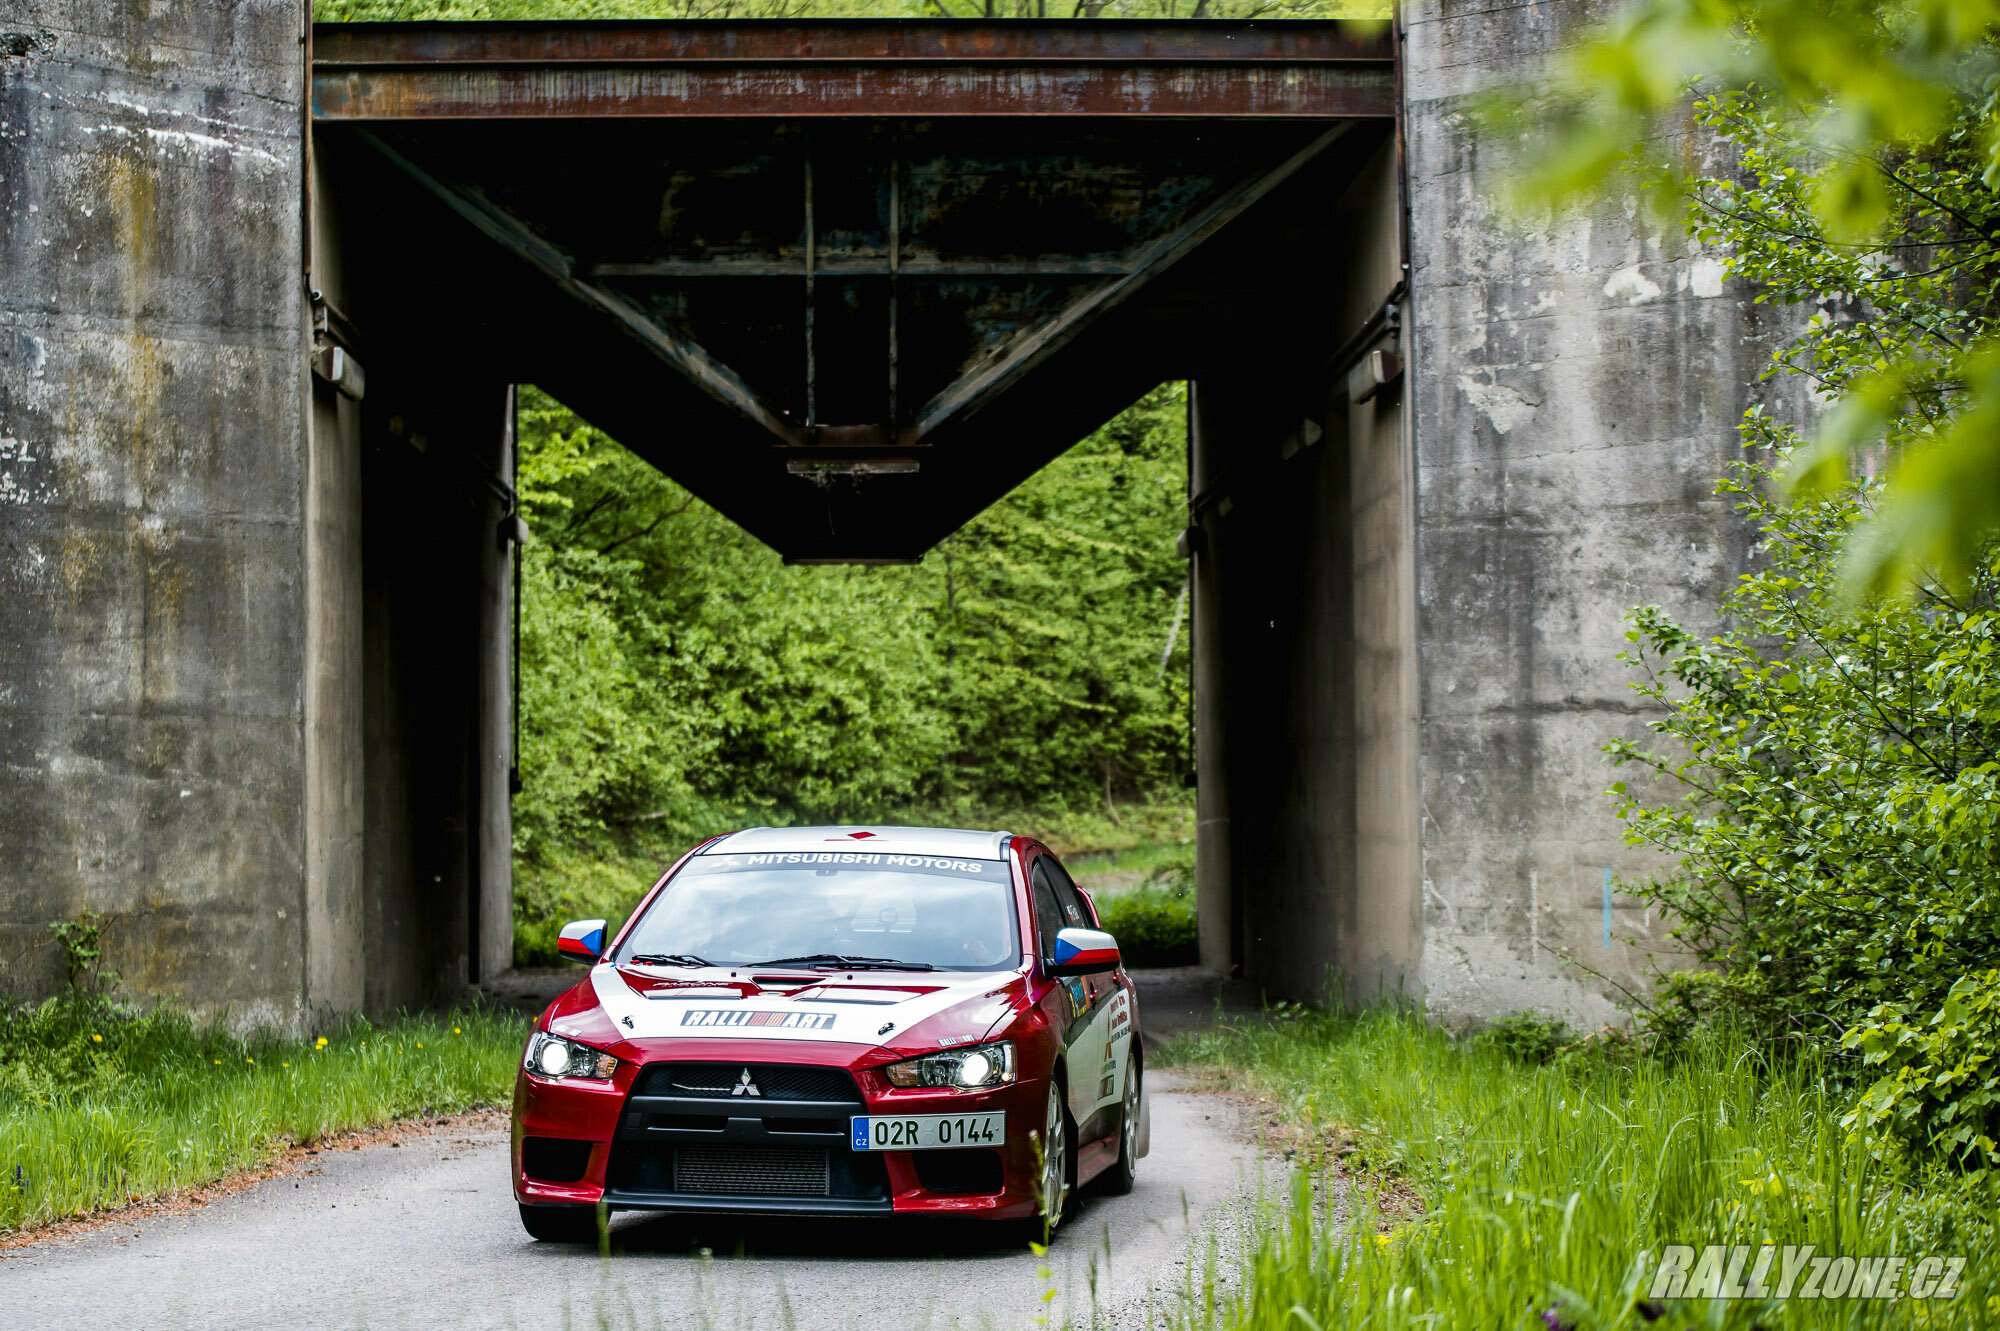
column 858, row 859
column 785, row 1021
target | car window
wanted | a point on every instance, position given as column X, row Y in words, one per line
column 1076, row 911
column 1048, row 913
column 742, row 909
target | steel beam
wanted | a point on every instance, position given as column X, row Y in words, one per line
column 838, row 41
column 974, row 389
column 702, row 369
column 868, row 263
column 870, row 69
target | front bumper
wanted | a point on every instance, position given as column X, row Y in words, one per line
column 661, row 1140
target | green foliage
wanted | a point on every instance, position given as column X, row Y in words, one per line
column 1153, row 920
column 1902, row 330
column 1838, row 823
column 1529, row 1037
column 1837, row 833
column 100, row 1104
column 82, row 943
column 1154, row 926
column 679, row 680
column 1940, row 1082
column 1484, row 1192
column 1872, row 151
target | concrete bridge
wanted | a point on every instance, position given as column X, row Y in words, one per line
column 265, row 289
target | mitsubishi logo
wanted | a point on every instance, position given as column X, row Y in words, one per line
column 744, row 1086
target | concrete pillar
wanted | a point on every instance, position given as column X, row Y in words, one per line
column 1214, row 884
column 155, row 595
column 1575, row 392
column 493, row 758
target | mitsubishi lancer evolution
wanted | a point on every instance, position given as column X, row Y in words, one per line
column 837, row 1021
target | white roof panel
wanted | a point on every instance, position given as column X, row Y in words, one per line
column 951, row 841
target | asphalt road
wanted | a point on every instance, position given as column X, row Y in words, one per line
column 425, row 1235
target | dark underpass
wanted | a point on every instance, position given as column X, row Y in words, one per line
column 849, row 283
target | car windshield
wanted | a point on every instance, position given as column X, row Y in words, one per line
column 824, row 907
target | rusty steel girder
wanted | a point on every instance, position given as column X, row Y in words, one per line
column 863, row 68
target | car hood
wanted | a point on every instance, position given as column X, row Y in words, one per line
column 896, row 1010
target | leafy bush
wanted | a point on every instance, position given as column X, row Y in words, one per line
column 1154, row 923
column 1837, row 831
column 1528, row 1037
column 1940, row 1079
column 679, row 680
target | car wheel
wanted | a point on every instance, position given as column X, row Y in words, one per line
column 1055, row 1160
column 560, row 1224
column 1116, row 1180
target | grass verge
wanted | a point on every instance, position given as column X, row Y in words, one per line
column 1491, row 1192
column 99, row 1106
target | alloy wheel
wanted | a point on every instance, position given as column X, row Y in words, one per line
column 1055, row 1151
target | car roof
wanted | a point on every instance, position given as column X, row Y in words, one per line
column 953, row 841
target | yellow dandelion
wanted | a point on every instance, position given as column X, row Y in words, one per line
column 320, row 1043
column 284, row 1065
column 455, row 1030
column 97, row 1039
column 218, row 1062
column 420, row 1044
column 249, row 1060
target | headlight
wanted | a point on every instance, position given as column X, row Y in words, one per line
column 965, row 1069
column 552, row 1056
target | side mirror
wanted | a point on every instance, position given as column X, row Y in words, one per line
column 1083, row 952
column 581, row 940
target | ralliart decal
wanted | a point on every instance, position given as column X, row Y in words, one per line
column 788, row 1021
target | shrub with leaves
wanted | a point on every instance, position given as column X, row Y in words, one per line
column 1839, row 830
column 1940, row 1079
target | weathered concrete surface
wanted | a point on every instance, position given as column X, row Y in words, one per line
column 152, row 584
column 1304, row 624
column 1575, row 396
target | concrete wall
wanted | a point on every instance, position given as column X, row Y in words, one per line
column 1381, row 916
column 253, row 631
column 153, row 575
column 1304, row 628
column 1575, row 394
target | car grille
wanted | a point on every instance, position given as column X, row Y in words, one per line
column 751, row 1171
column 773, row 1082
column 683, row 1133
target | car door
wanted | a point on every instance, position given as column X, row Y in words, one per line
column 1103, row 1044
column 1051, row 917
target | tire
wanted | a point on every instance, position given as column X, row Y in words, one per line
column 1058, row 1166
column 560, row 1224
column 1117, row 1178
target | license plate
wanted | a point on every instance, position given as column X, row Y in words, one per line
column 927, row 1132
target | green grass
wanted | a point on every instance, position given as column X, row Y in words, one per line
column 1108, row 872
column 1545, row 1187
column 98, row 1108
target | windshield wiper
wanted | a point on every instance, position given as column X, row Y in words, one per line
column 835, row 959
column 668, row 959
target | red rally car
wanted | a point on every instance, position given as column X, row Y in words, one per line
column 837, row 1021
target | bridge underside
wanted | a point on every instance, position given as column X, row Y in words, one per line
column 850, row 283
column 852, row 311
